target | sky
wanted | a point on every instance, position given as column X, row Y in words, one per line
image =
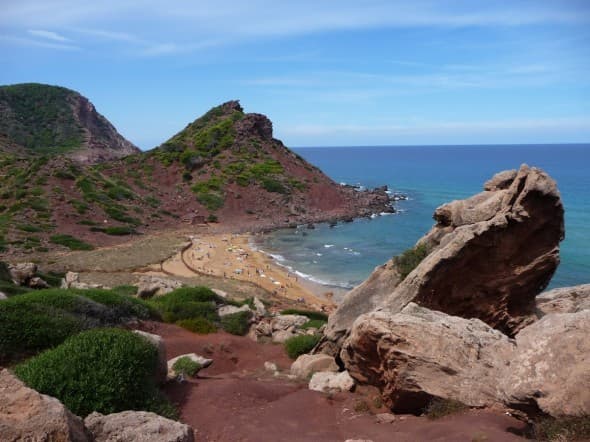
column 327, row 73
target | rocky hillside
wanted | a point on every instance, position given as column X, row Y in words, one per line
column 224, row 168
column 54, row 120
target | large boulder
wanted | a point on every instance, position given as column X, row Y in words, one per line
column 550, row 371
column 488, row 257
column 564, row 300
column 306, row 365
column 362, row 299
column 22, row 272
column 30, row 416
column 137, row 426
column 149, row 286
column 420, row 354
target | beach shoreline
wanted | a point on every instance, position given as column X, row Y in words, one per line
column 233, row 256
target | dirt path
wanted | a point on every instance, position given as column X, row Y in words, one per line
column 237, row 400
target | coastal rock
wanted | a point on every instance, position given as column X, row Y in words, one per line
column 362, row 299
column 71, row 280
column 220, row 293
column 203, row 362
column 230, row 310
column 158, row 342
column 420, row 354
column 487, row 258
column 550, row 372
column 37, row 283
column 259, row 308
column 3, row 296
column 30, row 416
column 149, row 286
column 137, row 426
column 326, row 381
column 22, row 272
column 306, row 365
column 280, row 336
column 285, row 322
column 564, row 300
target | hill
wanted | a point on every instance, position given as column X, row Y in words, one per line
column 45, row 119
column 224, row 168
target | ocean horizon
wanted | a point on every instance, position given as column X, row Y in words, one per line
column 430, row 175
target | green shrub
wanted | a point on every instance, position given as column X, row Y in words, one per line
column 201, row 326
column 186, row 367
column 115, row 230
column 125, row 290
column 313, row 323
column 567, row 428
column 70, row 242
column 409, row 260
column 188, row 303
column 439, row 407
column 236, row 323
column 41, row 319
column 309, row 313
column 4, row 272
column 106, row 370
column 298, row 345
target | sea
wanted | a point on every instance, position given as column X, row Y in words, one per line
column 344, row 255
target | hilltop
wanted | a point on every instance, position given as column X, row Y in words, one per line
column 42, row 119
column 224, row 168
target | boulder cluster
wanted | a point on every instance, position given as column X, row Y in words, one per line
column 468, row 323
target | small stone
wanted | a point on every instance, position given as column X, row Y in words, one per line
column 231, row 309
column 385, row 418
column 203, row 362
column 270, row 366
column 325, row 381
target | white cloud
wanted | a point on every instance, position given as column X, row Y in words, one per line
column 20, row 41
column 48, row 35
column 441, row 127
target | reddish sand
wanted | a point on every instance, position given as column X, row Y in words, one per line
column 236, row 400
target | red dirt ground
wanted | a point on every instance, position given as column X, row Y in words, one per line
column 236, row 400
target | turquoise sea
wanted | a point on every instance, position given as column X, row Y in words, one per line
column 430, row 176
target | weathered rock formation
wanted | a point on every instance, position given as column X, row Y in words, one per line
column 550, row 371
column 362, row 299
column 420, row 354
column 564, row 300
column 158, row 342
column 489, row 256
column 326, row 382
column 137, row 426
column 30, row 416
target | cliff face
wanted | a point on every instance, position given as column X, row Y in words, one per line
column 224, row 168
column 55, row 120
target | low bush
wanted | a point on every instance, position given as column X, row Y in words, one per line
column 409, row 260
column 107, row 370
column 114, row 230
column 188, row 303
column 186, row 367
column 70, row 242
column 125, row 290
column 313, row 323
column 201, row 326
column 439, row 407
column 310, row 314
column 41, row 319
column 298, row 345
column 237, row 323
column 567, row 428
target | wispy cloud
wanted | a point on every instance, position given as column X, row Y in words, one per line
column 440, row 127
column 103, row 34
column 22, row 41
column 48, row 35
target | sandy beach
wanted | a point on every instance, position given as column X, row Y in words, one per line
column 231, row 256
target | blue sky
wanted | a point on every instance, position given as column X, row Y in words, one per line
column 326, row 72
